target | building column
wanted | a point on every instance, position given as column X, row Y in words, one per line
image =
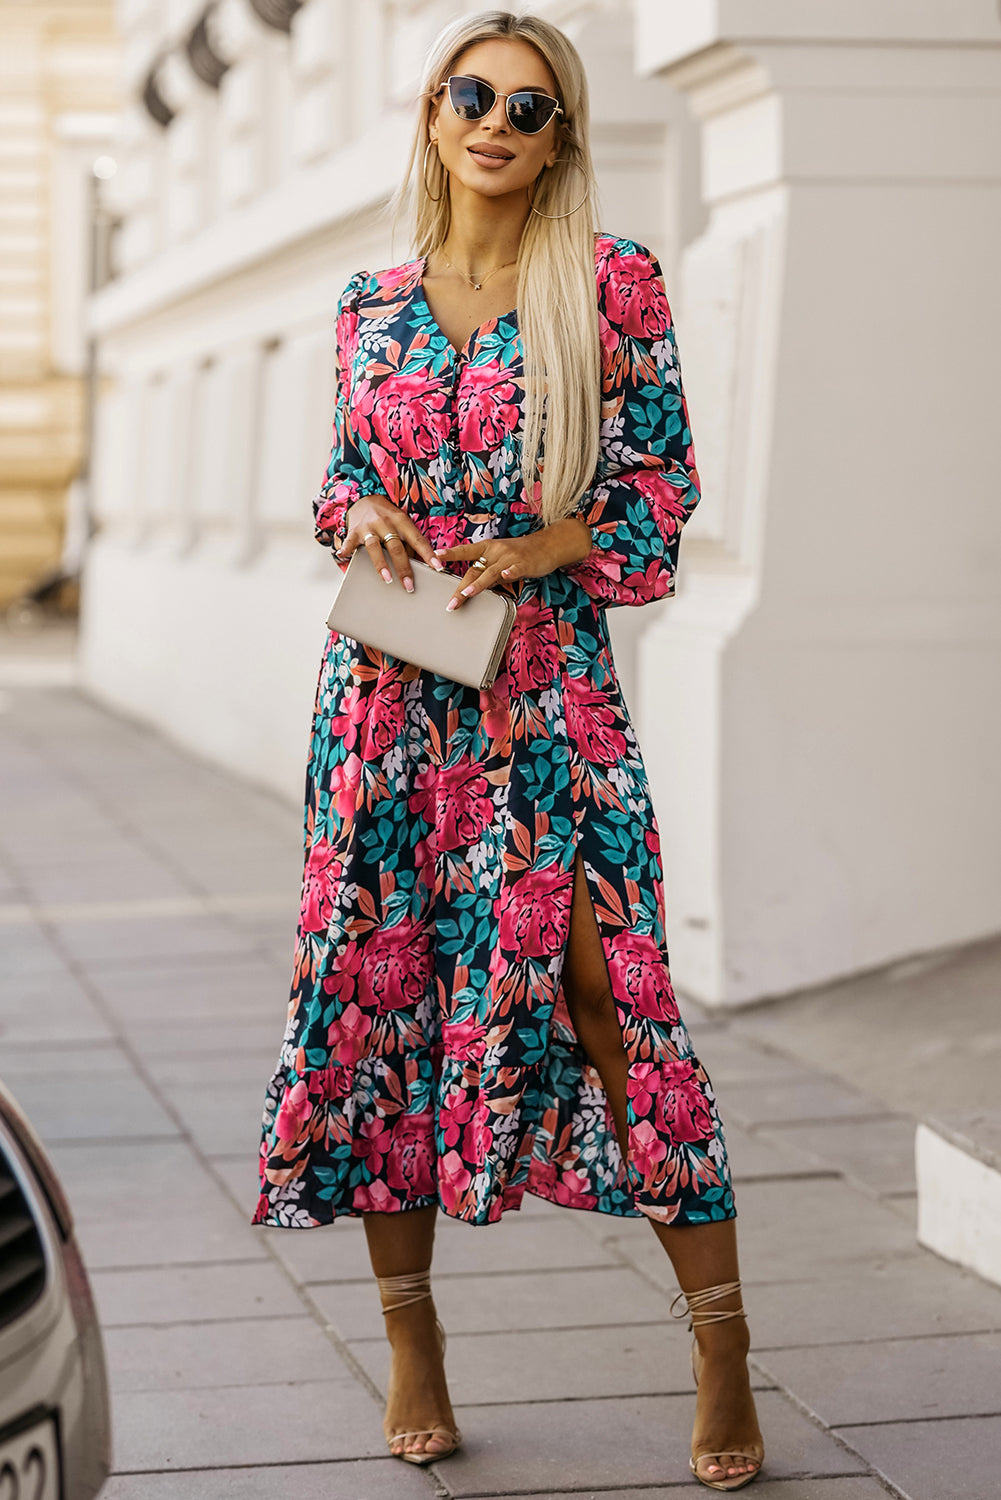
column 819, row 704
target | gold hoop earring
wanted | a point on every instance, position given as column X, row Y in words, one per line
column 569, row 211
column 424, row 173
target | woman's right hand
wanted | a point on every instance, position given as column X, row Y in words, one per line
column 374, row 523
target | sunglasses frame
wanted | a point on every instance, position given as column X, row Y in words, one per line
column 539, row 93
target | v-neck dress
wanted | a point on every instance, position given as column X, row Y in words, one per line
column 429, row 1056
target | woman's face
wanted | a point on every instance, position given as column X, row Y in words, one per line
column 507, row 65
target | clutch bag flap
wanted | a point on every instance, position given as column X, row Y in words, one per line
column 466, row 645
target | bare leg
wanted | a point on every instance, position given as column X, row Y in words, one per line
column 418, row 1395
column 702, row 1254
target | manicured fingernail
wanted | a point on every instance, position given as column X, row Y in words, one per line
column 452, row 604
column 408, row 584
column 387, row 575
column 505, row 572
column 466, row 592
column 437, row 564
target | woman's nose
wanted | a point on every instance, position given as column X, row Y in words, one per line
column 497, row 115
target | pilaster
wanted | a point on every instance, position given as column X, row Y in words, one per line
column 839, row 616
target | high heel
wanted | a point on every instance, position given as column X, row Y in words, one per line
column 695, row 1303
column 405, row 1290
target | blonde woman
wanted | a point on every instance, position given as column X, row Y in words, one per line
column 481, row 1004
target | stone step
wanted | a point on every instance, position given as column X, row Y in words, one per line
column 958, row 1161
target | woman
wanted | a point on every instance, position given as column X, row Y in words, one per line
column 481, row 1004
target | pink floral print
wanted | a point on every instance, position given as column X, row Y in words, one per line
column 429, row 1056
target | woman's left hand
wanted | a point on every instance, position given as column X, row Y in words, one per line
column 509, row 558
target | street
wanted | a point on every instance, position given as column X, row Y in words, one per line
column 147, row 912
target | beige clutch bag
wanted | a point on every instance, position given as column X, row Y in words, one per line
column 466, row 645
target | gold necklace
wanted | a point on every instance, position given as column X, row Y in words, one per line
column 471, row 279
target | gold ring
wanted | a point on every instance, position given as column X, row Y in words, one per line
column 368, row 535
column 389, row 536
column 481, row 562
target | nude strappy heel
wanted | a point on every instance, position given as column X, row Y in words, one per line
column 404, row 1290
column 695, row 1302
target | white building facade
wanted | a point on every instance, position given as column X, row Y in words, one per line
column 822, row 184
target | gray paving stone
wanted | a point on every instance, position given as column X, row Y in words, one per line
column 111, row 878
column 879, row 1154
column 230, row 1425
column 884, row 1030
column 778, row 1100
column 753, row 1155
column 28, row 955
column 279, row 951
column 559, row 1364
column 187, row 993
column 151, row 1203
column 855, row 1488
column 370, row 1479
column 500, row 1303
column 247, row 1067
column 893, row 1380
column 330, row 1252
column 240, row 1179
column 903, row 1298
column 934, row 1460
column 187, row 1356
column 276, row 928
column 215, row 819
column 529, row 1243
column 92, row 1107
column 731, row 1059
column 112, row 944
column 826, row 1222
column 844, row 1307
column 233, row 833
column 525, row 1243
column 626, row 1442
column 131, row 1177
column 220, row 1234
column 276, row 871
column 46, row 1059
column 698, row 1015
column 50, row 1010
column 200, row 1294
column 230, row 1036
column 825, row 1225
column 223, row 1118
column 32, row 857
column 906, row 1205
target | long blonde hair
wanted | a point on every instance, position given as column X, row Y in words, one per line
column 557, row 297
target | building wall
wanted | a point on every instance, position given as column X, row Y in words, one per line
column 241, row 223
column 58, row 82
column 822, row 186
column 831, row 656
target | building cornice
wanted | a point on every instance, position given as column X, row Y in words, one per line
column 357, row 179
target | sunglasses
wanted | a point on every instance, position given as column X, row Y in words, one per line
column 528, row 110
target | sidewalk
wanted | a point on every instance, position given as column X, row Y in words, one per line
column 147, row 908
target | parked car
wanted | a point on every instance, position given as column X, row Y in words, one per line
column 55, row 1422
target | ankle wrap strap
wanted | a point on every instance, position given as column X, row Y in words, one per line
column 696, row 1301
column 412, row 1286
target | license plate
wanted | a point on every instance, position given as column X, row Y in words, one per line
column 29, row 1463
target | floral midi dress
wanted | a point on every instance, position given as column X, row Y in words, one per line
column 429, row 1056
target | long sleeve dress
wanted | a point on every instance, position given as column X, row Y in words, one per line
column 429, row 1056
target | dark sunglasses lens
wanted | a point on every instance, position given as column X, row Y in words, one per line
column 530, row 112
column 470, row 98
